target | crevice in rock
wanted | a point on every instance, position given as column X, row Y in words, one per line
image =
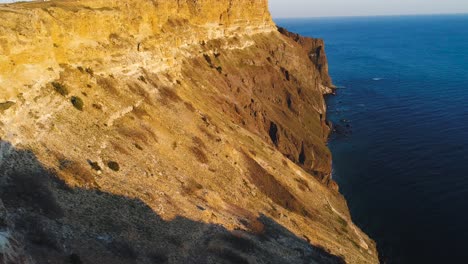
column 286, row 74
column 302, row 155
column 274, row 133
column 289, row 101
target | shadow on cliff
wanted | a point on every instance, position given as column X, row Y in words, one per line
column 59, row 224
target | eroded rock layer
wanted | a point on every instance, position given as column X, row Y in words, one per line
column 150, row 131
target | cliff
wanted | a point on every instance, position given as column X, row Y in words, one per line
column 152, row 131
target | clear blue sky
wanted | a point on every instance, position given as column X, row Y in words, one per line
column 315, row 8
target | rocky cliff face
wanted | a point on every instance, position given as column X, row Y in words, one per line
column 151, row 131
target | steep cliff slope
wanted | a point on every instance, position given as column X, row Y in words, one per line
column 152, row 131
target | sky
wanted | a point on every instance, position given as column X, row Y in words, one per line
column 321, row 8
column 324, row 8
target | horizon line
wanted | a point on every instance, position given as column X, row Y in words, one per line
column 379, row 15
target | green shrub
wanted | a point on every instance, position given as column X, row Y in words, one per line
column 94, row 165
column 113, row 165
column 208, row 59
column 6, row 105
column 60, row 88
column 77, row 102
column 142, row 78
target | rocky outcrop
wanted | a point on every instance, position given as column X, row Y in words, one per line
column 151, row 131
column 316, row 51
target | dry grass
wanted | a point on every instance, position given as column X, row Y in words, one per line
column 199, row 154
column 75, row 172
column 191, row 186
column 198, row 142
column 108, row 85
column 272, row 188
column 168, row 96
column 132, row 134
column 119, row 148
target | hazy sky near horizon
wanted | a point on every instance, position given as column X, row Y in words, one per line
column 320, row 8
column 315, row 8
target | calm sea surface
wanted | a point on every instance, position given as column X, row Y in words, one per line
column 403, row 162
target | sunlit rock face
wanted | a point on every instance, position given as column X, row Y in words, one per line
column 166, row 132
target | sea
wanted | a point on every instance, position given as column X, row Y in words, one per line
column 400, row 154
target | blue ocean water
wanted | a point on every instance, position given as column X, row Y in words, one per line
column 403, row 165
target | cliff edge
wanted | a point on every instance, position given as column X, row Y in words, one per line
column 153, row 131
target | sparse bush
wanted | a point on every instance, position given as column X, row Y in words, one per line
column 208, row 59
column 113, row 165
column 94, row 165
column 138, row 146
column 6, row 105
column 79, row 174
column 77, row 102
column 219, row 69
column 142, row 78
column 60, row 88
column 191, row 186
column 90, row 71
column 97, row 106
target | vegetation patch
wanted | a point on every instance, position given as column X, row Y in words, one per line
column 6, row 105
column 189, row 106
column 60, row 88
column 168, row 95
column 198, row 142
column 79, row 174
column 89, row 71
column 77, row 102
column 113, row 165
column 208, row 59
column 94, row 165
column 199, row 155
column 138, row 146
column 142, row 79
column 108, row 84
